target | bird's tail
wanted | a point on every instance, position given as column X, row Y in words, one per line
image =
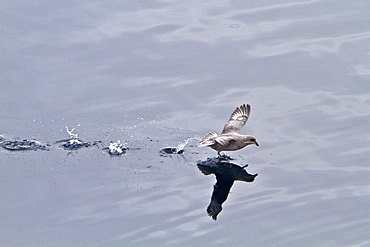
column 208, row 140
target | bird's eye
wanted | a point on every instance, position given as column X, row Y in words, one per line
column 253, row 140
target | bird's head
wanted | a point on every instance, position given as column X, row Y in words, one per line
column 249, row 140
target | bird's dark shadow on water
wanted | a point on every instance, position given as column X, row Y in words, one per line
column 226, row 173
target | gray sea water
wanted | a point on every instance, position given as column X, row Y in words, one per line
column 155, row 73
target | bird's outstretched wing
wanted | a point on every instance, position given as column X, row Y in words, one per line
column 237, row 119
column 220, row 193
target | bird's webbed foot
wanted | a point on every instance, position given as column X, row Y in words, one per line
column 224, row 157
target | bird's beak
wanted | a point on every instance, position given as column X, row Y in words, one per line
column 256, row 143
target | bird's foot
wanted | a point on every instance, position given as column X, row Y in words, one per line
column 224, row 157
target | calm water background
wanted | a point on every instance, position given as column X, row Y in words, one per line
column 154, row 73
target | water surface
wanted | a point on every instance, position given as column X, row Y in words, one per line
column 153, row 74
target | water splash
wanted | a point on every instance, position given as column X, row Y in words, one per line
column 71, row 134
column 21, row 145
column 73, row 142
column 117, row 148
column 179, row 149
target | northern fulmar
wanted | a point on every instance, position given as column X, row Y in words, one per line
column 230, row 139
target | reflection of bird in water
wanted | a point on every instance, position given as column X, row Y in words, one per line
column 230, row 139
column 226, row 173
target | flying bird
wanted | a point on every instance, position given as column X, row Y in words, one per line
column 230, row 139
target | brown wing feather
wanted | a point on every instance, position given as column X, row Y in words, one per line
column 237, row 119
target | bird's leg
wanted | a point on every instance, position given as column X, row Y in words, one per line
column 226, row 157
